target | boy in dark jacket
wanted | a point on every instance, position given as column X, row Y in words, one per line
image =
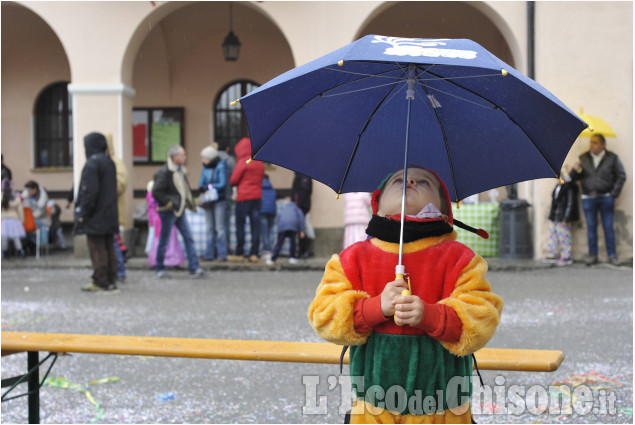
column 564, row 211
column 96, row 213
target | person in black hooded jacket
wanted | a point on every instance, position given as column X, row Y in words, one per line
column 96, row 213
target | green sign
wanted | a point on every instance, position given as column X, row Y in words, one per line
column 164, row 135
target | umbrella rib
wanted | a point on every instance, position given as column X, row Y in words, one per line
column 497, row 107
column 358, row 90
column 359, row 137
column 457, row 97
column 366, row 75
column 445, row 141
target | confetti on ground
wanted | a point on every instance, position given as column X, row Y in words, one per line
column 66, row 384
column 165, row 396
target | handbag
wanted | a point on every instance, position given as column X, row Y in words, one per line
column 210, row 195
column 29, row 221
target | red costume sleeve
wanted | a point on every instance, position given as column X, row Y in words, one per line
column 441, row 322
column 367, row 314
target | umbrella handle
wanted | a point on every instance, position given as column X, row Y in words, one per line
column 400, row 272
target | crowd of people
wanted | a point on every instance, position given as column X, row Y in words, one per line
column 237, row 185
column 224, row 183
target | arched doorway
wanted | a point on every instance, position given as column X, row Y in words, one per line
column 179, row 64
column 436, row 19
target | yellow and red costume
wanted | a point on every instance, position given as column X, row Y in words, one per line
column 460, row 316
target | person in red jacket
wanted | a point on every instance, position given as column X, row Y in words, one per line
column 247, row 177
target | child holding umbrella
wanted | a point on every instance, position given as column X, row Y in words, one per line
column 449, row 314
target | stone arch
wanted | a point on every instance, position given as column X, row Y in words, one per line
column 175, row 59
column 434, row 19
column 33, row 57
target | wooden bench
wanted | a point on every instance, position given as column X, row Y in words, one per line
column 271, row 351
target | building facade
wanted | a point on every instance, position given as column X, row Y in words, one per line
column 151, row 73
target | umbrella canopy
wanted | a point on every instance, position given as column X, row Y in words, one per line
column 342, row 119
column 596, row 126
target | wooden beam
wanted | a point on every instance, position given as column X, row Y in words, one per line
column 274, row 351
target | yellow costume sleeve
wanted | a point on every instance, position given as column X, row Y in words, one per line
column 477, row 306
column 331, row 312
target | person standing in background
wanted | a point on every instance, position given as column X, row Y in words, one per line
column 602, row 176
column 172, row 192
column 214, row 173
column 356, row 217
column 96, row 213
column 564, row 211
column 267, row 216
column 301, row 191
column 224, row 152
column 122, row 184
column 248, row 179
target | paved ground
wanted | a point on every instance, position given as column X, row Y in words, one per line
column 586, row 312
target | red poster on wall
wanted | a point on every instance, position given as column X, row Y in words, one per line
column 140, row 141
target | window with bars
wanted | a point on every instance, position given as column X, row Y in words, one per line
column 53, row 127
column 230, row 124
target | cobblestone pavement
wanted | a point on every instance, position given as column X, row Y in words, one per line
column 585, row 312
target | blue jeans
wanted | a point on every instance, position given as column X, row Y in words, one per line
column 216, row 231
column 281, row 237
column 266, row 225
column 249, row 209
column 168, row 219
column 121, row 268
column 606, row 207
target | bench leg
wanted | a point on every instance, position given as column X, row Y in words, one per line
column 34, row 387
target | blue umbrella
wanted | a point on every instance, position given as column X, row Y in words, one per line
column 380, row 103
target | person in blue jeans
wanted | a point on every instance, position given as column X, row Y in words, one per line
column 602, row 176
column 267, row 215
column 247, row 177
column 172, row 192
column 214, row 173
column 121, row 268
column 290, row 223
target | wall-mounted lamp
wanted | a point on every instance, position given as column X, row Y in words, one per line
column 231, row 45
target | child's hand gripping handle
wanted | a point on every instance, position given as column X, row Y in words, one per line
column 400, row 273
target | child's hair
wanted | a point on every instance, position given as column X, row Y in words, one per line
column 444, row 200
column 7, row 194
column 31, row 185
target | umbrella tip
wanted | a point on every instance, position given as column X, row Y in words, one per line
column 341, row 62
column 234, row 102
column 561, row 181
column 249, row 160
column 591, row 129
column 504, row 72
column 337, row 196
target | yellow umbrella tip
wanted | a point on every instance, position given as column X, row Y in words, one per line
column 234, row 102
column 591, row 129
column 341, row 62
column 504, row 72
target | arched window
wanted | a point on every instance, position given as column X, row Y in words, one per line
column 229, row 121
column 54, row 127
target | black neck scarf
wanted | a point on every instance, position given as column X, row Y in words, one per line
column 388, row 230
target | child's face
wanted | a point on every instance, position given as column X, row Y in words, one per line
column 422, row 188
